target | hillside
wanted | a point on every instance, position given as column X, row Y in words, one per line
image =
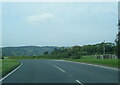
column 27, row 50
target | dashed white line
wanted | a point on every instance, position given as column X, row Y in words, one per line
column 78, row 82
column 11, row 72
column 59, row 68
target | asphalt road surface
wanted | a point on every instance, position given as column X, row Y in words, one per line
column 58, row 71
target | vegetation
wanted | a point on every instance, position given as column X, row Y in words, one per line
column 84, row 53
column 12, row 63
column 76, row 52
column 88, row 57
column 0, row 68
column 8, row 65
column 33, row 57
column 27, row 50
column 46, row 53
column 118, row 40
column 104, row 62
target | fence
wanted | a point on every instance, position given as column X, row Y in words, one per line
column 106, row 56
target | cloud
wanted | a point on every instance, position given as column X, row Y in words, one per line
column 40, row 17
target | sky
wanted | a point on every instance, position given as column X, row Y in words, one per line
column 58, row 23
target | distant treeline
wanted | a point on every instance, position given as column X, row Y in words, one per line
column 76, row 52
column 27, row 50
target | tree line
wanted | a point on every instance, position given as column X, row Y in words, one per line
column 118, row 40
column 76, row 52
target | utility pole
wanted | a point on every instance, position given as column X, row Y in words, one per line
column 118, row 40
column 104, row 47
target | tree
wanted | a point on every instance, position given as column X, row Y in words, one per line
column 2, row 57
column 118, row 40
column 45, row 53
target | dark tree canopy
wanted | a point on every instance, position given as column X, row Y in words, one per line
column 77, row 51
column 118, row 40
column 45, row 53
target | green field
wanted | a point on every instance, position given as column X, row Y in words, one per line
column 104, row 62
column 8, row 65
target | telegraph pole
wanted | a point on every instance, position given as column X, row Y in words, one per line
column 104, row 47
column 118, row 40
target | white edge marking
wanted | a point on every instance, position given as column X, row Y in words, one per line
column 11, row 72
column 94, row 65
column 78, row 82
column 58, row 60
column 59, row 68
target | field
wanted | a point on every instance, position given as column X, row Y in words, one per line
column 8, row 65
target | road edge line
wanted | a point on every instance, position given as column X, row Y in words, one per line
column 95, row 65
column 11, row 72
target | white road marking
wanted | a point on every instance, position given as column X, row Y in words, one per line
column 11, row 72
column 94, row 65
column 78, row 82
column 58, row 60
column 59, row 68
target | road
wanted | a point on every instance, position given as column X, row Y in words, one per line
column 58, row 71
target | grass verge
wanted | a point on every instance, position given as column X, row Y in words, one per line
column 8, row 65
column 105, row 62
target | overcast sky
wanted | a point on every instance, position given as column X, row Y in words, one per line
column 59, row 23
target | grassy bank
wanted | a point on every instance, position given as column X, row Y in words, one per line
column 8, row 65
column 104, row 62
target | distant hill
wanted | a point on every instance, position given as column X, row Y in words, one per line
column 27, row 50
